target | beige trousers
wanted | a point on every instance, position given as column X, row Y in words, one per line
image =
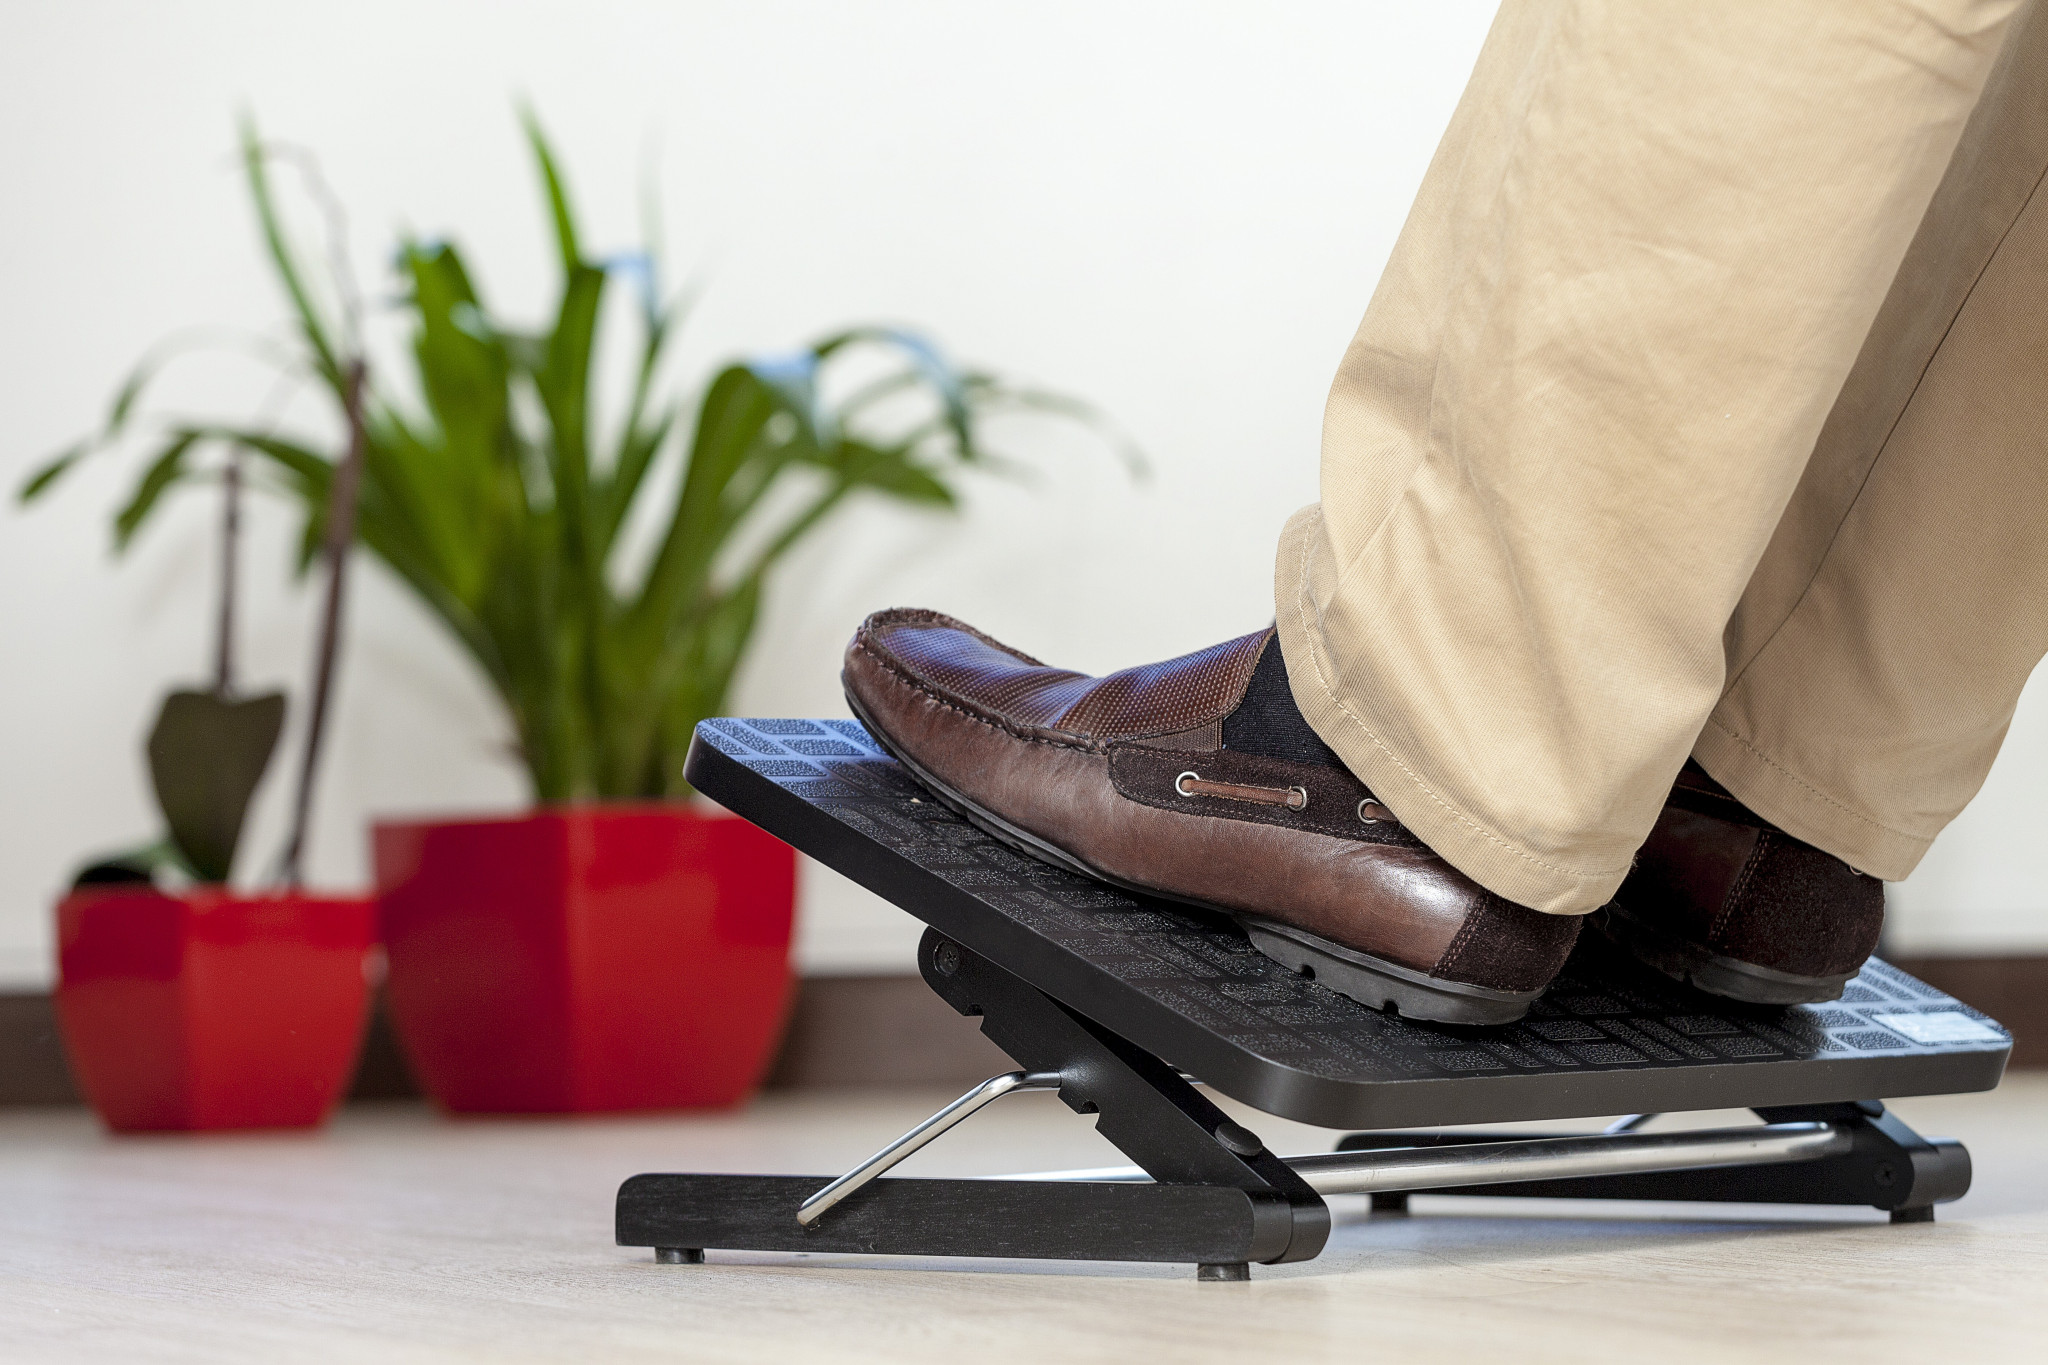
column 1702, row 409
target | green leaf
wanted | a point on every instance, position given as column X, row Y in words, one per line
column 558, row 197
column 989, row 394
column 463, row 363
column 564, row 380
column 893, row 472
column 40, row 482
column 488, row 498
column 638, row 447
column 730, row 420
column 119, row 412
column 131, row 390
column 308, row 468
column 947, row 383
column 639, row 441
column 695, row 679
column 315, row 329
column 166, row 469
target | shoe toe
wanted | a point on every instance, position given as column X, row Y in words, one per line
column 957, row 663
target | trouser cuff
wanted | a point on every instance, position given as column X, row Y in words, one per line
column 1431, row 807
column 1801, row 808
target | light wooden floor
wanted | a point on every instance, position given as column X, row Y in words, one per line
column 395, row 1236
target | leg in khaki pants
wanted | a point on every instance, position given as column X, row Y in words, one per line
column 1879, row 649
column 1693, row 416
column 1699, row 411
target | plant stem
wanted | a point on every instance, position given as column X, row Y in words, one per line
column 340, row 531
column 230, row 535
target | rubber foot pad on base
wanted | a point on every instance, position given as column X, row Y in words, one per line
column 1223, row 1272
column 679, row 1255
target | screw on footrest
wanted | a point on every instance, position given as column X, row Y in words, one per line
column 1223, row 1272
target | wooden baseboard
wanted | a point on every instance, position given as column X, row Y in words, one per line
column 880, row 1030
column 2012, row 990
column 32, row 1069
column 891, row 1030
column 843, row 1031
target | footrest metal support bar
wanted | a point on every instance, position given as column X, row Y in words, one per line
column 1873, row 1158
column 1383, row 1170
column 994, row 1088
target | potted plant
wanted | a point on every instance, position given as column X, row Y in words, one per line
column 184, row 1004
column 618, row 947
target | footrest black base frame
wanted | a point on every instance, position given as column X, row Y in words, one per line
column 1017, row 1219
column 1220, row 1200
column 1216, row 1197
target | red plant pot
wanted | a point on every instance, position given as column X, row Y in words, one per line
column 587, row 959
column 209, row 1010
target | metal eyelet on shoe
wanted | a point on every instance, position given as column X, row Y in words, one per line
column 1371, row 812
column 1179, row 783
column 1302, row 802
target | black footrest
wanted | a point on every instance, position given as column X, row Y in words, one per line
column 1121, row 996
column 1024, row 1219
column 1609, row 1037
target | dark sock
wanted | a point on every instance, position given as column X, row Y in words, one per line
column 1268, row 722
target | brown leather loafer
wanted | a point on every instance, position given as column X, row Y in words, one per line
column 1197, row 779
column 1722, row 898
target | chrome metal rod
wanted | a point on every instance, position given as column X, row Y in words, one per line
column 1494, row 1163
column 994, row 1088
column 1559, row 1158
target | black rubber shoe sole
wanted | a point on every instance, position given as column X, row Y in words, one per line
column 1371, row 981
column 1715, row 973
column 1383, row 985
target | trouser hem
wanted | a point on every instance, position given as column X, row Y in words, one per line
column 1431, row 810
column 1802, row 808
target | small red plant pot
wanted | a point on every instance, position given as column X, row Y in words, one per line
column 209, row 1010
column 587, row 959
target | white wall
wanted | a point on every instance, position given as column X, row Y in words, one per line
column 1177, row 210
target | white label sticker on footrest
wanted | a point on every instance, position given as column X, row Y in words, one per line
column 1943, row 1026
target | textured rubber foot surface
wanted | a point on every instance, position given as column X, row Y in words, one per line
column 1610, row 1036
column 1703, row 969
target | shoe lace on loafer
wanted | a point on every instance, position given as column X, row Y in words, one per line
column 1193, row 784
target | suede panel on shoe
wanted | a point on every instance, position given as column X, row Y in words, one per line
column 1092, row 768
column 1510, row 948
column 1802, row 911
column 1716, row 880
